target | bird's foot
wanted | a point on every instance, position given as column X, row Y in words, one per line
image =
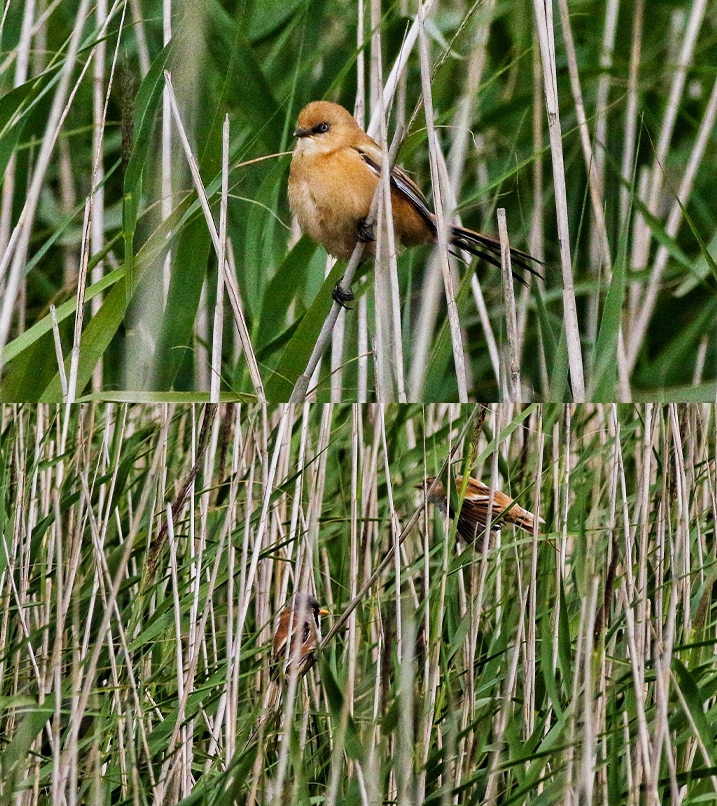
column 366, row 231
column 342, row 296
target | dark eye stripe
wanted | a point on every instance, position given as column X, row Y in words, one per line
column 321, row 128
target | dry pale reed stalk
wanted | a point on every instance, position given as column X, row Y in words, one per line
column 544, row 24
column 218, row 326
column 441, row 225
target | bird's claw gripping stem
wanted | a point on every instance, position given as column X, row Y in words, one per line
column 366, row 231
column 342, row 296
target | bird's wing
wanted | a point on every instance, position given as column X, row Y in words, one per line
column 401, row 183
column 505, row 510
column 406, row 187
column 522, row 518
column 483, row 246
column 472, row 519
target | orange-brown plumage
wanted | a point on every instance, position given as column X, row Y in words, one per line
column 298, row 635
column 473, row 515
column 335, row 169
column 296, row 639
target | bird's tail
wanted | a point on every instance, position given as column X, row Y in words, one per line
column 521, row 517
column 488, row 248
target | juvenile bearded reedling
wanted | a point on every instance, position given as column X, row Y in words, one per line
column 473, row 517
column 298, row 635
column 335, row 169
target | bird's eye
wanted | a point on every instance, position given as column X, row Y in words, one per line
column 321, row 128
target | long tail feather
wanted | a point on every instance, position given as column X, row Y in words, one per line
column 488, row 248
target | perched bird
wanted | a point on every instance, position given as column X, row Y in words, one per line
column 335, row 169
column 296, row 639
column 297, row 636
column 473, row 517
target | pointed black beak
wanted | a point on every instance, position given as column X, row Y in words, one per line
column 301, row 132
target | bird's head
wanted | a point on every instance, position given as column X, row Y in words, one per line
column 324, row 127
column 306, row 603
column 437, row 496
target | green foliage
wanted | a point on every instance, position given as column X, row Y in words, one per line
column 261, row 62
column 458, row 675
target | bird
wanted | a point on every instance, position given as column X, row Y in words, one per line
column 297, row 636
column 473, row 515
column 335, row 168
column 296, row 639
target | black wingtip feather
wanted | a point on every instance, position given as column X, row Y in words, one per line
column 488, row 248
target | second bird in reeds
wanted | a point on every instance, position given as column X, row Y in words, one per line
column 473, row 515
column 297, row 636
column 335, row 169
